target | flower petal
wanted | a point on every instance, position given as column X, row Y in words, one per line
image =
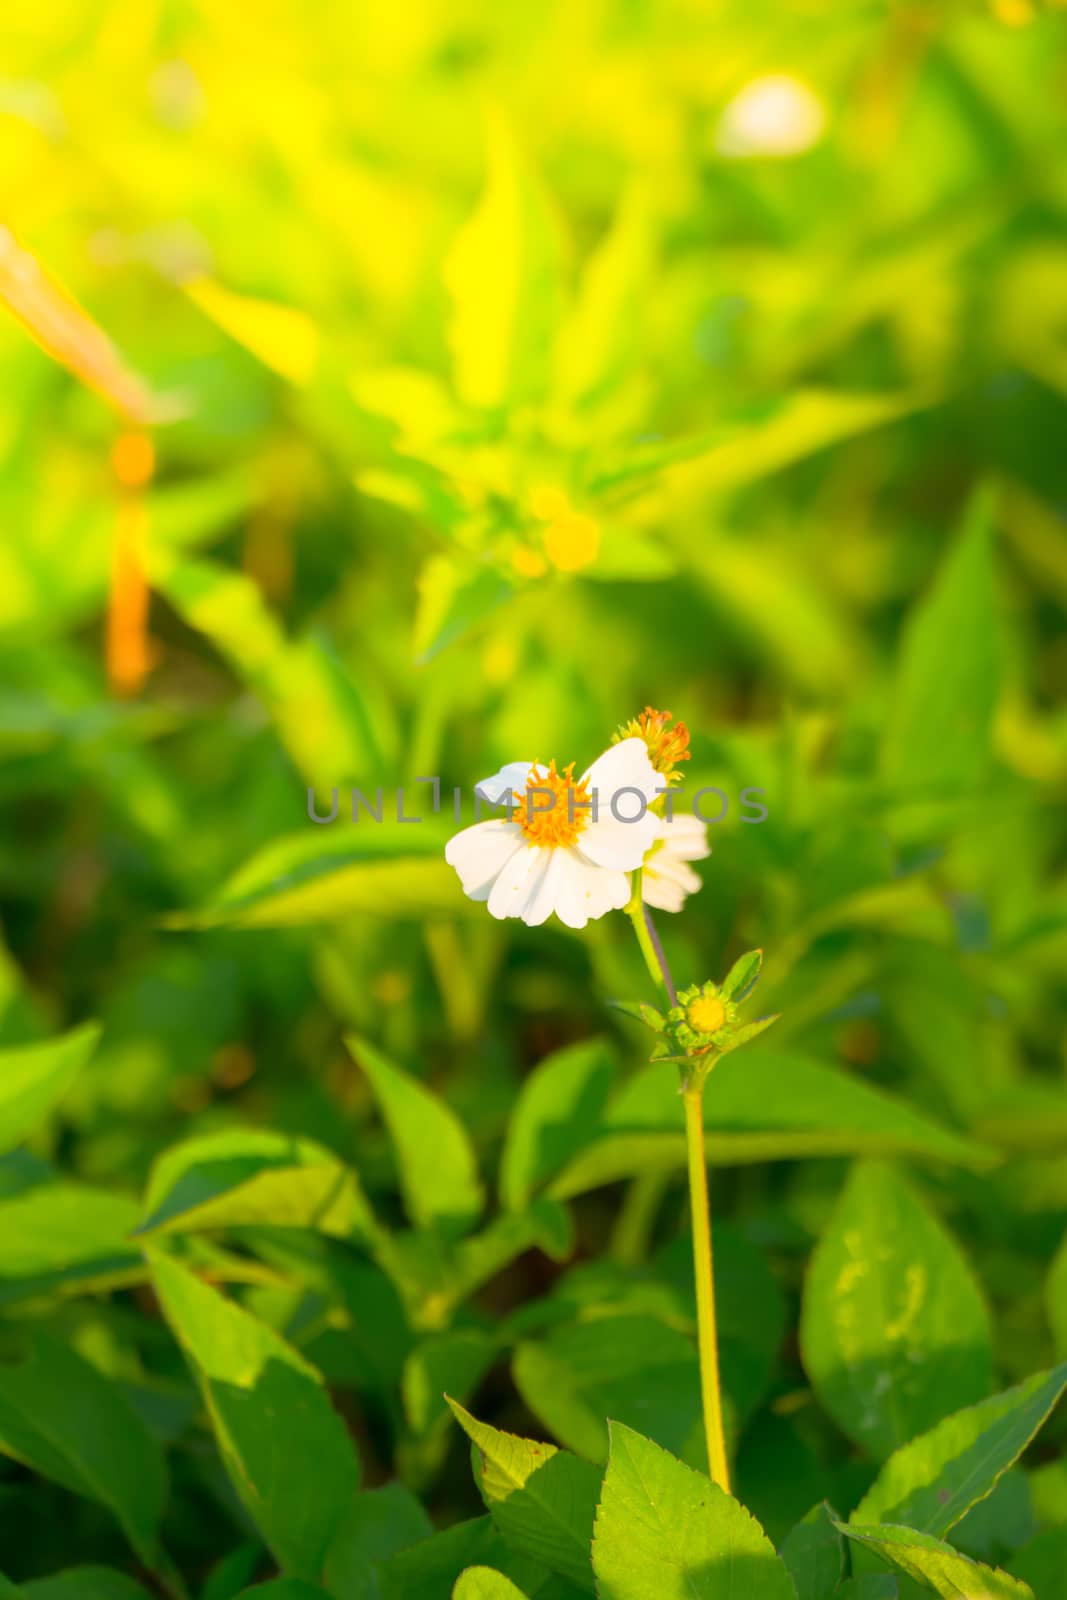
column 685, row 837
column 479, row 854
column 619, row 845
column 666, row 883
column 497, row 788
column 625, row 766
column 518, row 881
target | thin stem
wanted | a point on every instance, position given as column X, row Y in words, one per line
column 635, row 910
column 707, row 1339
column 650, row 928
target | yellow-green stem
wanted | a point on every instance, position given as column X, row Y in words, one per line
column 707, row 1339
column 635, row 910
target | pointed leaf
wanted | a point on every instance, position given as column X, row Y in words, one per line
column 665, row 1532
column 503, row 278
column 742, row 976
column 933, row 1481
column 894, row 1330
column 815, row 1554
column 377, row 1524
column 287, row 1451
column 542, row 1499
column 483, row 1583
column 438, row 1172
column 936, row 1566
column 64, row 1419
column 34, row 1076
column 938, row 732
column 556, row 1113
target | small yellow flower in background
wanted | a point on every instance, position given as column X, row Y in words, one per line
column 571, row 538
column 557, row 851
column 667, row 746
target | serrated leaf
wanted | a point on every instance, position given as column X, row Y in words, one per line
column 742, row 1035
column 742, row 976
column 936, row 1566
column 933, row 1481
column 665, row 1532
column 483, row 1583
column 33, row 1077
column 65, row 1420
column 438, row 1171
column 541, row 1499
column 814, row 1552
column 287, row 1452
column 894, row 1330
column 502, row 275
column 556, row 1112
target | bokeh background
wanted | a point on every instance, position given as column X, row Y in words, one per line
column 393, row 392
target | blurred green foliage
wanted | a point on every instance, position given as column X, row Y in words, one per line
column 512, row 368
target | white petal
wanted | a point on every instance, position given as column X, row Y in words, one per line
column 685, row 837
column 519, row 881
column 624, row 766
column 585, row 892
column 621, row 845
column 552, row 891
column 497, row 788
column 662, row 894
column 480, row 853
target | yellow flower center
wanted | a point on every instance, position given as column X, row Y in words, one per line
column 706, row 1015
column 553, row 810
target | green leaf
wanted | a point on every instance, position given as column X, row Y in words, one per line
column 815, row 1554
column 409, row 888
column 665, row 1532
column 894, row 1331
column 455, row 594
column 284, row 1589
column 61, row 1417
column 483, row 1583
column 82, row 1583
column 66, row 1237
column 438, row 1172
column 429, row 1570
column 542, row 1499
column 245, row 1176
column 558, row 1107
column 451, row 1363
column 599, row 336
column 634, row 1369
column 503, row 278
column 316, row 707
column 1043, row 1562
column 936, row 1566
column 1056, row 1298
column 938, row 732
column 765, row 1105
column 33, row 1077
column 377, row 1524
column 288, row 1454
column 742, row 977
column 931, row 1483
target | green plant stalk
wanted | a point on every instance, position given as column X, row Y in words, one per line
column 699, row 1206
column 704, row 1273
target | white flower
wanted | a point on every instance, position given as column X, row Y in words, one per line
column 776, row 115
column 668, row 878
column 552, row 854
